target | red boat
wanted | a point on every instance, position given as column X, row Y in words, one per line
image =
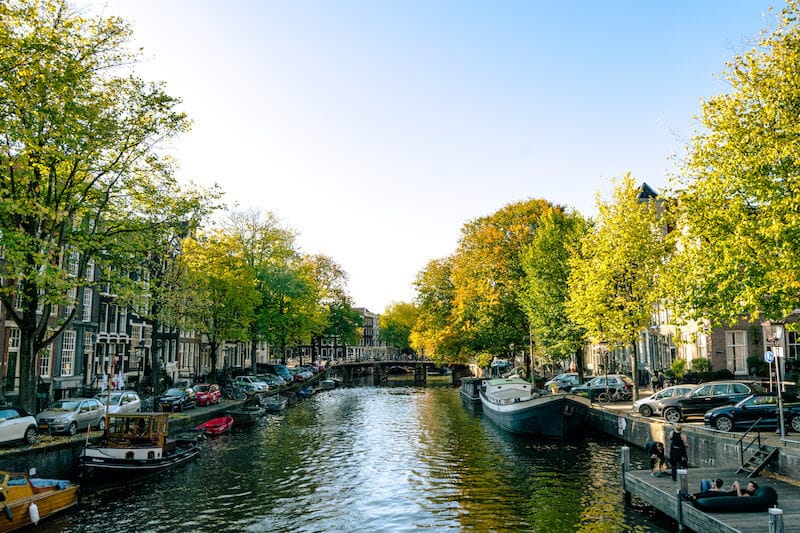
column 216, row 426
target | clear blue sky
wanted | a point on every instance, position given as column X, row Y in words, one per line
column 376, row 129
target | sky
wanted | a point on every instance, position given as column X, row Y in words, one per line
column 377, row 129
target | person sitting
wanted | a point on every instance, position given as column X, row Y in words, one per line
column 711, row 485
column 751, row 488
column 657, row 458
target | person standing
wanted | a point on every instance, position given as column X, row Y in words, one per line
column 678, row 455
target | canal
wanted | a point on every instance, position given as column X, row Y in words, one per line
column 370, row 459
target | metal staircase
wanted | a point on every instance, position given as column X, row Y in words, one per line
column 759, row 454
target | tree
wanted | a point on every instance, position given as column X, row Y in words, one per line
column 545, row 291
column 487, row 277
column 433, row 335
column 79, row 135
column 224, row 295
column 737, row 211
column 611, row 281
column 396, row 323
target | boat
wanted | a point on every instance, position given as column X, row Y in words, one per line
column 27, row 500
column 133, row 445
column 216, row 426
column 245, row 414
column 327, row 384
column 512, row 404
column 471, row 389
column 273, row 404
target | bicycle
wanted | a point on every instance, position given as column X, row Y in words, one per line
column 616, row 396
column 233, row 392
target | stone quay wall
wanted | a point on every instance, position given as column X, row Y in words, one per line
column 707, row 448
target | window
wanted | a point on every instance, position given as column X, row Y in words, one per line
column 736, row 351
column 90, row 270
column 67, row 353
column 72, row 263
column 13, row 354
column 792, row 344
column 705, row 390
column 44, row 362
column 87, row 304
column 722, row 390
column 72, row 295
column 740, row 388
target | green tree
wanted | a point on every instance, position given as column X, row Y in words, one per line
column 433, row 335
column 223, row 292
column 546, row 262
column 611, row 282
column 396, row 323
column 487, row 277
column 79, row 135
column 737, row 208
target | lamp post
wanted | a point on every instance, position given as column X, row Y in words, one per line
column 775, row 333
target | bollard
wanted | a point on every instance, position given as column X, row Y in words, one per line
column 775, row 520
column 626, row 466
column 679, row 509
column 683, row 481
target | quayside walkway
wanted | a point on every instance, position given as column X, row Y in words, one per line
column 662, row 493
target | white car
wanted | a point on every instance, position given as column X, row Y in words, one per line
column 16, row 424
column 252, row 383
column 121, row 401
column 652, row 405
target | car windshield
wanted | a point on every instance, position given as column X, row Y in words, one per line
column 114, row 398
column 64, row 405
column 201, row 388
column 173, row 392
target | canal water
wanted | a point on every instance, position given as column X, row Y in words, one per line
column 368, row 459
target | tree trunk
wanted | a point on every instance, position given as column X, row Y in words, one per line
column 635, row 371
column 253, row 352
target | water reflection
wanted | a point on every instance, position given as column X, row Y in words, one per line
column 368, row 459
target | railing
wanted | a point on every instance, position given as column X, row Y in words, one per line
column 755, row 439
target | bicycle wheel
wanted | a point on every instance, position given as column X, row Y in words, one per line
column 604, row 397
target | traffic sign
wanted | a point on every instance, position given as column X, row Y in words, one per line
column 769, row 356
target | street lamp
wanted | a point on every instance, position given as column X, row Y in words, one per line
column 775, row 333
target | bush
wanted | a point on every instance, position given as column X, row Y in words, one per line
column 701, row 365
column 757, row 366
column 678, row 368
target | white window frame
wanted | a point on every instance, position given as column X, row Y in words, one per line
column 736, row 351
column 89, row 275
column 72, row 296
column 87, row 304
column 44, row 362
column 68, row 353
column 792, row 344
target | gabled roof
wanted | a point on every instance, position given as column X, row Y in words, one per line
column 646, row 192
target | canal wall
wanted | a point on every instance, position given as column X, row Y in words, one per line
column 58, row 457
column 707, row 448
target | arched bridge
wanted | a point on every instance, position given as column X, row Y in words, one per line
column 380, row 371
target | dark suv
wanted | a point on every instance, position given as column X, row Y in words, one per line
column 707, row 396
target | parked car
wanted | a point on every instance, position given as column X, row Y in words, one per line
column 654, row 404
column 610, row 382
column 71, row 415
column 280, row 370
column 176, row 399
column 565, row 381
column 300, row 374
column 17, row 424
column 251, row 383
column 272, row 381
column 207, row 394
column 121, row 401
column 757, row 407
column 707, row 396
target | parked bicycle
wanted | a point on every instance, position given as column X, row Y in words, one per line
column 232, row 391
column 614, row 395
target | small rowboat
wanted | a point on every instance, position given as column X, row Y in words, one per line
column 216, row 426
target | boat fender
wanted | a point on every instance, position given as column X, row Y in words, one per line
column 568, row 409
column 33, row 512
column 8, row 513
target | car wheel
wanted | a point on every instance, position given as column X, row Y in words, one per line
column 795, row 423
column 72, row 429
column 724, row 423
column 646, row 410
column 30, row 435
column 672, row 415
column 102, row 424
